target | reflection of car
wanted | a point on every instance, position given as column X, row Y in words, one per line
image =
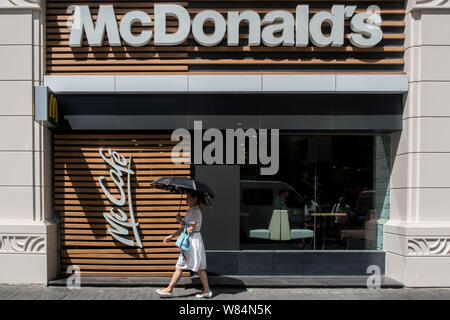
column 363, row 205
column 257, row 202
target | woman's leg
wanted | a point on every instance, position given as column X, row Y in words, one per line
column 175, row 278
column 204, row 280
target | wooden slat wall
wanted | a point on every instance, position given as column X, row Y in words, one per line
column 190, row 57
column 80, row 202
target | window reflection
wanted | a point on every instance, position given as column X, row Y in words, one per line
column 331, row 193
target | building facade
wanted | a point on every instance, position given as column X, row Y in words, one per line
column 353, row 93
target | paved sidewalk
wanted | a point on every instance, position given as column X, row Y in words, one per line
column 146, row 293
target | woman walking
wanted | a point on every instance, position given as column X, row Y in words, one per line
column 193, row 259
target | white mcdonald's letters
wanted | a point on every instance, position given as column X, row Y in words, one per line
column 119, row 220
column 276, row 28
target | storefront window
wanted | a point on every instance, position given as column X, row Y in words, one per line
column 330, row 193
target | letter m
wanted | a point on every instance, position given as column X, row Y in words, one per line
column 82, row 21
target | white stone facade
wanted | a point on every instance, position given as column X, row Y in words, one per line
column 28, row 244
column 416, row 238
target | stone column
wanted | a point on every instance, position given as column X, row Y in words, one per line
column 28, row 244
column 417, row 237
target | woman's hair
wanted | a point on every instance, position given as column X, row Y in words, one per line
column 201, row 197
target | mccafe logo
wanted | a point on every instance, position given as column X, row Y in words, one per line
column 276, row 28
column 117, row 218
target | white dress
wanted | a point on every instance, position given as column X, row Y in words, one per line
column 194, row 258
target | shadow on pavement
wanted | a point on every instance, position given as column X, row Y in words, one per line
column 219, row 284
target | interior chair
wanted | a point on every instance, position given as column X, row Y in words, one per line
column 279, row 229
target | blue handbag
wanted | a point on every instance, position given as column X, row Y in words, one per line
column 184, row 241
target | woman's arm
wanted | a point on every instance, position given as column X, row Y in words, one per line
column 173, row 235
column 177, row 233
column 191, row 228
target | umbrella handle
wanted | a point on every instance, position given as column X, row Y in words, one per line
column 208, row 201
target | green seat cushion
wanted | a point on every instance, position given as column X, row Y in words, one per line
column 301, row 233
column 260, row 234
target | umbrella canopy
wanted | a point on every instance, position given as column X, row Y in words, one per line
column 179, row 185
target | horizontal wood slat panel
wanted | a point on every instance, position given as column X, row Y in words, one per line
column 158, row 158
column 124, row 267
column 141, row 69
column 64, row 254
column 106, row 238
column 100, row 214
column 104, row 226
column 174, row 171
column 108, row 63
column 82, row 193
column 105, row 203
column 83, row 53
column 124, row 251
column 109, row 261
column 104, row 232
column 141, row 149
column 90, row 220
column 100, row 166
column 62, row 32
column 127, row 274
column 63, row 27
column 63, row 40
column 116, row 142
column 75, row 154
column 104, row 208
column 81, row 203
column 111, row 244
column 190, row 57
column 138, row 214
column 93, row 196
column 70, row 183
column 112, row 136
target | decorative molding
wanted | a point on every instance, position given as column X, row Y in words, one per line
column 22, row 243
column 431, row 4
column 20, row 4
column 429, row 247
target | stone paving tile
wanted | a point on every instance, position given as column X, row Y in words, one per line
column 220, row 293
column 8, row 293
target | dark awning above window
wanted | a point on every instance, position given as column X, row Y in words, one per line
column 348, row 112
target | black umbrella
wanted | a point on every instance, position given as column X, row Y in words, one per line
column 180, row 185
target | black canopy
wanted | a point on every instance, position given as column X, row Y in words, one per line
column 180, row 185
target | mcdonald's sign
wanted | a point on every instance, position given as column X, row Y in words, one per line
column 45, row 107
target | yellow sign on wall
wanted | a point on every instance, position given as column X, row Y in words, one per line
column 53, row 108
column 45, row 107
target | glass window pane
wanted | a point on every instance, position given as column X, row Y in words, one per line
column 252, row 197
column 331, row 192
